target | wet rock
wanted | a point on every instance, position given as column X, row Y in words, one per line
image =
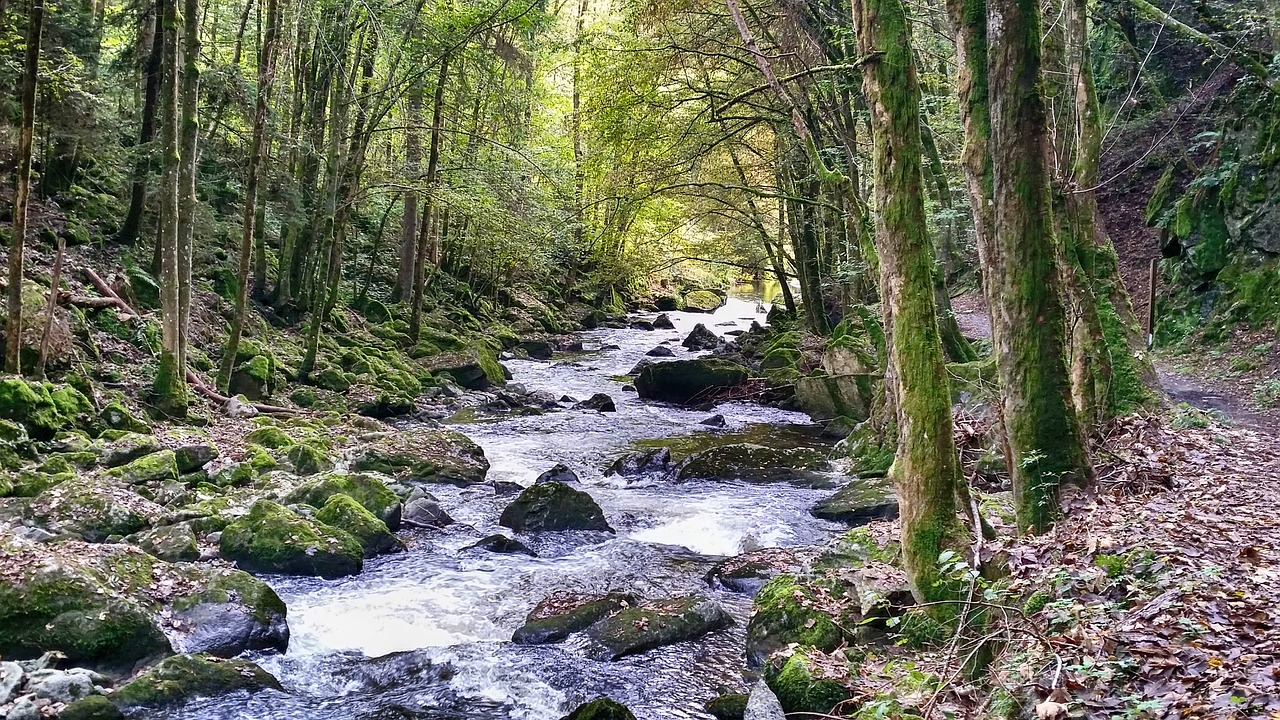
column 656, row 624
column 661, row 351
column 559, row 616
column 786, row 611
column 172, row 543
column 568, row 399
column 701, row 338
column 801, row 687
column 641, row 462
column 537, row 349
column 425, row 513
column 715, row 421
column 689, row 381
column 628, row 388
column 558, row 473
column 642, row 325
column 640, row 366
column 94, row 707
column 367, row 490
column 599, row 402
column 344, row 513
column 274, row 539
column 424, row 455
column 762, row 704
column 601, row 709
column 663, row 322
column 755, row 464
column 668, row 303
column 229, row 613
column 59, row 686
column 503, row 545
column 749, row 572
column 858, row 503
column 182, row 677
column 503, row 488
column 704, row 301
column 730, row 706
column 553, row 506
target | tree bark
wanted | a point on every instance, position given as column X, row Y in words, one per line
column 925, row 470
column 22, row 193
column 168, row 388
column 425, row 235
column 1046, row 444
column 409, row 222
column 150, row 99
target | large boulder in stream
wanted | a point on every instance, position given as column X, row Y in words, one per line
column 182, row 677
column 703, row 301
column 275, row 539
column 553, row 506
column 641, row 462
column 755, row 464
column 371, row 493
column 702, row 338
column 344, row 513
column 689, row 381
column 424, row 455
column 559, row 616
column 859, row 502
column 601, row 709
column 656, row 624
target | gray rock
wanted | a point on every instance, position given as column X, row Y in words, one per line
column 641, row 462
column 27, row 707
column 663, row 322
column 553, row 506
column 558, row 473
column 661, row 351
column 193, row 456
column 503, row 545
column 59, row 686
column 599, row 402
column 715, row 421
column 425, row 513
column 702, row 338
column 11, row 677
column 762, row 704
column 171, row 543
column 656, row 624
column 238, row 407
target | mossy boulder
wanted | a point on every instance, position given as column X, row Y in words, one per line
column 126, row 448
column 227, row 612
column 344, row 513
column 553, row 506
column 426, row 455
column 118, row 417
column 601, row 709
column 94, row 707
column 192, row 456
column 826, row 397
column 702, row 338
column 789, row 610
column 94, row 508
column 689, row 381
column 370, row 492
column 156, row 467
column 332, row 378
column 307, row 459
column 559, row 616
column 171, row 543
column 274, row 539
column 755, row 464
column 808, row 681
column 668, row 303
column 858, row 503
column 475, row 368
column 182, row 677
column 703, row 301
column 655, row 624
column 31, row 405
column 253, row 378
column 269, row 436
column 730, row 706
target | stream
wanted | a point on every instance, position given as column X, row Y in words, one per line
column 426, row 633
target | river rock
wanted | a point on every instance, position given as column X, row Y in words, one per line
column 601, row 709
column 11, row 678
column 663, row 322
column 786, row 610
column 702, row 338
column 747, row 573
column 801, row 688
column 642, row 325
column 344, row 513
column 274, row 539
column 703, row 301
column 824, row 397
column 655, row 624
column 94, row 707
column 425, row 513
column 171, row 543
column 431, row 455
column 182, row 677
column 153, row 467
column 553, row 506
column 641, row 462
column 668, row 303
column 730, row 706
column 538, row 349
column 754, row 464
column 661, row 351
column 229, row 613
column 558, row 473
column 858, row 503
column 367, row 490
column 599, row 402
column 715, row 421
column 762, row 704
column 503, row 545
column 688, row 381
column 468, row 368
column 94, row 508
column 559, row 616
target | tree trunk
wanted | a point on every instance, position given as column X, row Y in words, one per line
column 409, row 223
column 266, row 77
column 169, row 387
column 187, row 205
column 1045, row 442
column 925, row 470
column 429, row 216
column 22, row 193
column 150, row 97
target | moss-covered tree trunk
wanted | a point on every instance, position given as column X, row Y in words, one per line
column 169, row 388
column 1023, row 282
column 925, row 470
column 17, row 243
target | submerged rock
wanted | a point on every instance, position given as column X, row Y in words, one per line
column 274, row 539
column 689, row 381
column 641, row 462
column 702, row 338
column 599, row 402
column 664, row 622
column 558, row 473
column 501, row 544
column 553, row 506
column 661, row 351
column 601, row 709
column 715, row 421
column 755, row 464
column 858, row 503
column 559, row 616
column 182, row 677
column 663, row 322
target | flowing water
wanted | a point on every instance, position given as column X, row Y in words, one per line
column 425, row 633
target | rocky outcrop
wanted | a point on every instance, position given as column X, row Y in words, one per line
column 553, row 506
column 274, row 539
column 368, row 491
column 559, row 616
column 599, row 402
column 688, row 381
column 424, row 455
column 655, row 624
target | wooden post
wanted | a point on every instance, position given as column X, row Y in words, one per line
column 1153, row 274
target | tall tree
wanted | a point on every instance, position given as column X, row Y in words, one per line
column 151, row 80
column 22, row 193
column 431, row 212
column 925, row 470
column 169, row 387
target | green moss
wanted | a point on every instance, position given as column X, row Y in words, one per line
column 71, row 403
column 117, row 417
column 344, row 513
column 787, row 610
column 169, row 391
column 304, row 397
column 331, row 378
column 31, row 405
column 94, row 707
column 272, row 538
column 269, row 436
column 182, row 677
column 369, row 492
column 308, row 459
column 801, row 688
column 161, row 465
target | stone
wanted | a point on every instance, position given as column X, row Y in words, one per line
column 799, row 689
column 425, row 513
column 825, row 397
column 117, row 417
column 156, row 467
column 269, row 436
column 642, row 325
column 558, row 473
column 274, row 539
column 762, row 704
column 194, row 455
column 635, row 630
column 11, row 678
column 473, row 369
column 182, row 677
column 30, row 405
column 94, row 508
column 537, row 349
column 601, row 709
column 307, row 459
column 786, row 611
column 424, row 455
column 126, row 448
column 702, row 338
column 553, row 506
column 729, row 706
column 703, row 301
column 715, row 421
column 559, row 616
column 94, row 707
column 689, row 381
column 599, row 402
column 668, row 303
column 641, row 462
column 230, row 612
column 368, row 491
column 503, row 545
column 755, row 464
column 748, row 572
column 341, row 512
column 59, row 686
column 858, row 503
column 171, row 543
column 661, row 351
column 663, row 322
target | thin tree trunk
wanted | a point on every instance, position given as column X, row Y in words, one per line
column 55, row 281
column 150, row 98
column 187, row 187
column 424, row 236
column 21, row 195
column 409, row 222
column 168, row 387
